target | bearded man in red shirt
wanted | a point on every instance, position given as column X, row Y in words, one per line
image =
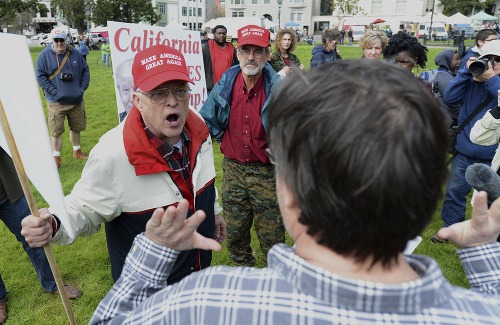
column 218, row 56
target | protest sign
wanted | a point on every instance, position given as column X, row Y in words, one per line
column 20, row 98
column 128, row 39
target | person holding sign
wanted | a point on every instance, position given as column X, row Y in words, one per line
column 13, row 208
column 159, row 155
column 342, row 178
column 64, row 76
column 236, row 114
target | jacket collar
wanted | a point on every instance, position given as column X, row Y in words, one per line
column 141, row 154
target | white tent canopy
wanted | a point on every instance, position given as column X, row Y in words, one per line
column 459, row 18
column 99, row 29
column 176, row 25
column 229, row 21
column 364, row 21
column 436, row 18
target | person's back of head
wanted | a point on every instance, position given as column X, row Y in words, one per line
column 366, row 169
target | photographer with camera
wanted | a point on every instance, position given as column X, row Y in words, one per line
column 63, row 75
column 482, row 38
column 474, row 88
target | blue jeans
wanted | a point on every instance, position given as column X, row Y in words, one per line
column 105, row 59
column 457, row 190
column 12, row 215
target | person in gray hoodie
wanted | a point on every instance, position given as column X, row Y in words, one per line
column 447, row 62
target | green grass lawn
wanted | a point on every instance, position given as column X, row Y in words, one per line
column 85, row 263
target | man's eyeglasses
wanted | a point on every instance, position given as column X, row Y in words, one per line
column 159, row 96
column 258, row 53
column 59, row 40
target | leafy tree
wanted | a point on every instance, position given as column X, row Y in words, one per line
column 345, row 8
column 130, row 11
column 451, row 7
column 76, row 12
column 325, row 8
column 10, row 9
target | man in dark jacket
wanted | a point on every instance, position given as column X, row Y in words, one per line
column 469, row 91
column 13, row 208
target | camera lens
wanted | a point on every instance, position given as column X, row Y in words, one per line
column 478, row 67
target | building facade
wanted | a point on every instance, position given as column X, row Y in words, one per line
column 307, row 13
column 189, row 13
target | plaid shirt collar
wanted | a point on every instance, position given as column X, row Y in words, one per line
column 161, row 146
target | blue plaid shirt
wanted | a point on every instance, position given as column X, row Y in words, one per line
column 292, row 291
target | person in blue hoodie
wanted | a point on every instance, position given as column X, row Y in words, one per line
column 482, row 37
column 469, row 91
column 447, row 62
column 64, row 76
column 327, row 52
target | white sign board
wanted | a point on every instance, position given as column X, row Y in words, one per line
column 20, row 98
column 128, row 39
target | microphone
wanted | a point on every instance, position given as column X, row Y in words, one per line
column 483, row 178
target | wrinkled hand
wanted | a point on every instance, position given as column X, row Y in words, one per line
column 482, row 228
column 171, row 228
column 37, row 230
column 220, row 229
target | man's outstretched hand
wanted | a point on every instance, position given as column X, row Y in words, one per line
column 172, row 228
column 482, row 228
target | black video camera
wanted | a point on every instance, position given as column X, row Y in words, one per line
column 479, row 66
column 66, row 76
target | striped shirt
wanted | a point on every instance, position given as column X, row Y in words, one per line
column 292, row 291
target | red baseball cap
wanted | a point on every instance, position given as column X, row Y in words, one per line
column 158, row 64
column 253, row 35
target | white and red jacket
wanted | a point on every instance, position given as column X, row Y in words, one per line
column 125, row 179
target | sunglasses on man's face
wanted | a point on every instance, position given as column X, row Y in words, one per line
column 59, row 40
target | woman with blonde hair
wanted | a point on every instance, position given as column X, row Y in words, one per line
column 282, row 60
column 373, row 42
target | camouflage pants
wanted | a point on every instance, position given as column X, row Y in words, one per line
column 249, row 196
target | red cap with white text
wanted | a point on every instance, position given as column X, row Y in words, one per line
column 158, row 64
column 253, row 35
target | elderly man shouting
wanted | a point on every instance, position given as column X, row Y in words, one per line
column 161, row 154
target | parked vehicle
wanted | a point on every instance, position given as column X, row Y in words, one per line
column 45, row 40
column 468, row 29
column 38, row 36
column 96, row 38
column 438, row 31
